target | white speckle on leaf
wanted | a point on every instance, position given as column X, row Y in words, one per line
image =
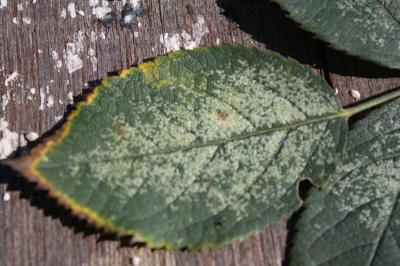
column 32, row 136
column 355, row 94
column 72, row 10
column 10, row 78
column 6, row 196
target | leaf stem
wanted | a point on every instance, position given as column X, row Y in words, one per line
column 348, row 112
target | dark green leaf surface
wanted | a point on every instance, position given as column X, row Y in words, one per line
column 196, row 148
column 356, row 219
column 366, row 28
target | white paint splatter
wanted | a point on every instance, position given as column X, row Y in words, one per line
column 176, row 41
column 136, row 260
column 93, row 58
column 3, row 4
column 5, row 99
column 26, row 20
column 42, row 93
column 72, row 10
column 355, row 94
column 171, row 43
column 32, row 91
column 50, row 101
column 199, row 30
column 6, row 196
column 15, row 21
column 72, row 54
column 10, row 78
column 63, row 13
column 58, row 118
column 32, row 136
column 101, row 11
column 9, row 141
column 54, row 55
column 80, row 13
column 20, row 7
column 70, row 96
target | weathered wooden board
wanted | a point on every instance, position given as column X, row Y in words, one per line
column 35, row 39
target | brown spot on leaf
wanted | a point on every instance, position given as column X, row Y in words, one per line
column 221, row 116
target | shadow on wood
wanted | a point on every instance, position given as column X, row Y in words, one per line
column 279, row 33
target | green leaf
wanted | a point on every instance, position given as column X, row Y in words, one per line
column 355, row 220
column 369, row 29
column 194, row 149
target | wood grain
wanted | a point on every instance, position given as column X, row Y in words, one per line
column 33, row 230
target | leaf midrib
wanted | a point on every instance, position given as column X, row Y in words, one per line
column 341, row 114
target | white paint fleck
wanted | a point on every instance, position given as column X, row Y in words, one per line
column 171, row 43
column 70, row 96
column 63, row 13
column 26, row 20
column 6, row 196
column 32, row 136
column 54, row 55
column 9, row 140
column 20, row 7
column 336, row 91
column 101, row 11
column 5, row 99
column 93, row 2
column 15, row 21
column 136, row 260
column 32, row 91
column 3, row 4
column 10, row 78
column 93, row 58
column 80, row 13
column 72, row 54
column 199, row 30
column 355, row 94
column 103, row 35
column 58, row 118
column 72, row 10
column 174, row 42
column 50, row 101
column 40, row 51
column 42, row 93
column 136, row 34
